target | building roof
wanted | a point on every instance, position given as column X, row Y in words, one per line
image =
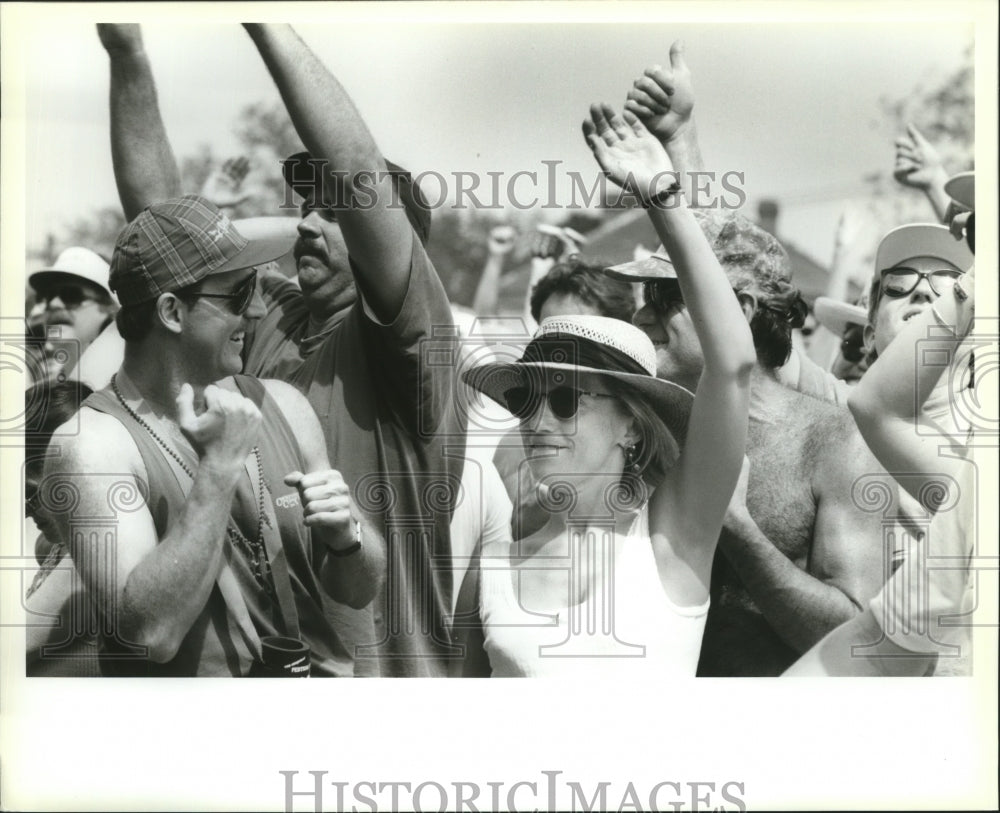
column 614, row 241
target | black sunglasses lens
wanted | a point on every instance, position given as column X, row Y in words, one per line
column 970, row 232
column 519, row 402
column 70, row 295
column 852, row 347
column 243, row 296
column 563, row 401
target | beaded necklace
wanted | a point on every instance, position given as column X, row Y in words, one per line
column 256, row 552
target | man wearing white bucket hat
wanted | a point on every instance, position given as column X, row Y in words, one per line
column 78, row 305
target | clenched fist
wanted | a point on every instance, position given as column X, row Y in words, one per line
column 226, row 431
column 326, row 505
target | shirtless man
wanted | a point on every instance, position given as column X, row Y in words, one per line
column 796, row 557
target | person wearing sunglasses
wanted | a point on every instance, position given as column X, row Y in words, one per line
column 232, row 526
column 636, row 471
column 920, row 623
column 914, row 266
column 846, row 323
column 795, row 558
column 76, row 305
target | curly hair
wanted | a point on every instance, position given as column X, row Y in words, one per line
column 772, row 324
column 589, row 284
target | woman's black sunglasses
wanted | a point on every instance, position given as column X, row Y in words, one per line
column 523, row 402
column 241, row 296
column 852, row 348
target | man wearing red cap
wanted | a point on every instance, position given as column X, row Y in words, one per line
column 215, row 538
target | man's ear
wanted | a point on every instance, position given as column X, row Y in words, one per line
column 171, row 312
column 748, row 302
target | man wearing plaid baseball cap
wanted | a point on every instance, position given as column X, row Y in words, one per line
column 795, row 557
column 221, row 541
column 367, row 334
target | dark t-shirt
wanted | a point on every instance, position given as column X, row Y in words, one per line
column 384, row 396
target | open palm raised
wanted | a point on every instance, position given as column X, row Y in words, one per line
column 630, row 155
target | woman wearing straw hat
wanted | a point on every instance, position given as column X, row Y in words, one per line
column 635, row 472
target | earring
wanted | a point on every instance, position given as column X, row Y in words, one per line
column 630, row 459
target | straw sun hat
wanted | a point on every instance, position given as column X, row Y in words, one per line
column 585, row 352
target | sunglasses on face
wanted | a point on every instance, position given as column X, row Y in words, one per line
column 852, row 348
column 902, row 281
column 564, row 402
column 241, row 296
column 72, row 296
column 661, row 295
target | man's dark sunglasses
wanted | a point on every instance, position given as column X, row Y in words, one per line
column 852, row 347
column 241, row 296
column 662, row 294
column 523, row 402
column 72, row 296
column 902, row 281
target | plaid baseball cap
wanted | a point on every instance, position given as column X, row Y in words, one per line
column 752, row 258
column 178, row 242
column 303, row 175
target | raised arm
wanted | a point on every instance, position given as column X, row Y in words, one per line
column 351, row 578
column 663, row 100
column 377, row 233
column 144, row 165
column 698, row 488
column 918, row 165
column 887, row 403
column 153, row 591
column 498, row 246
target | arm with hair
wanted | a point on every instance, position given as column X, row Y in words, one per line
column 843, row 569
column 153, row 590
column 144, row 165
column 330, row 512
column 378, row 236
column 691, row 505
column 887, row 403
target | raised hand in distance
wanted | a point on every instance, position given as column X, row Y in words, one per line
column 224, row 185
column 501, row 240
column 918, row 164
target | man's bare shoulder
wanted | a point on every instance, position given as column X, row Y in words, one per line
column 823, row 431
column 92, row 441
column 835, row 450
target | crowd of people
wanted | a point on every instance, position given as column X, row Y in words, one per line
column 273, row 447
